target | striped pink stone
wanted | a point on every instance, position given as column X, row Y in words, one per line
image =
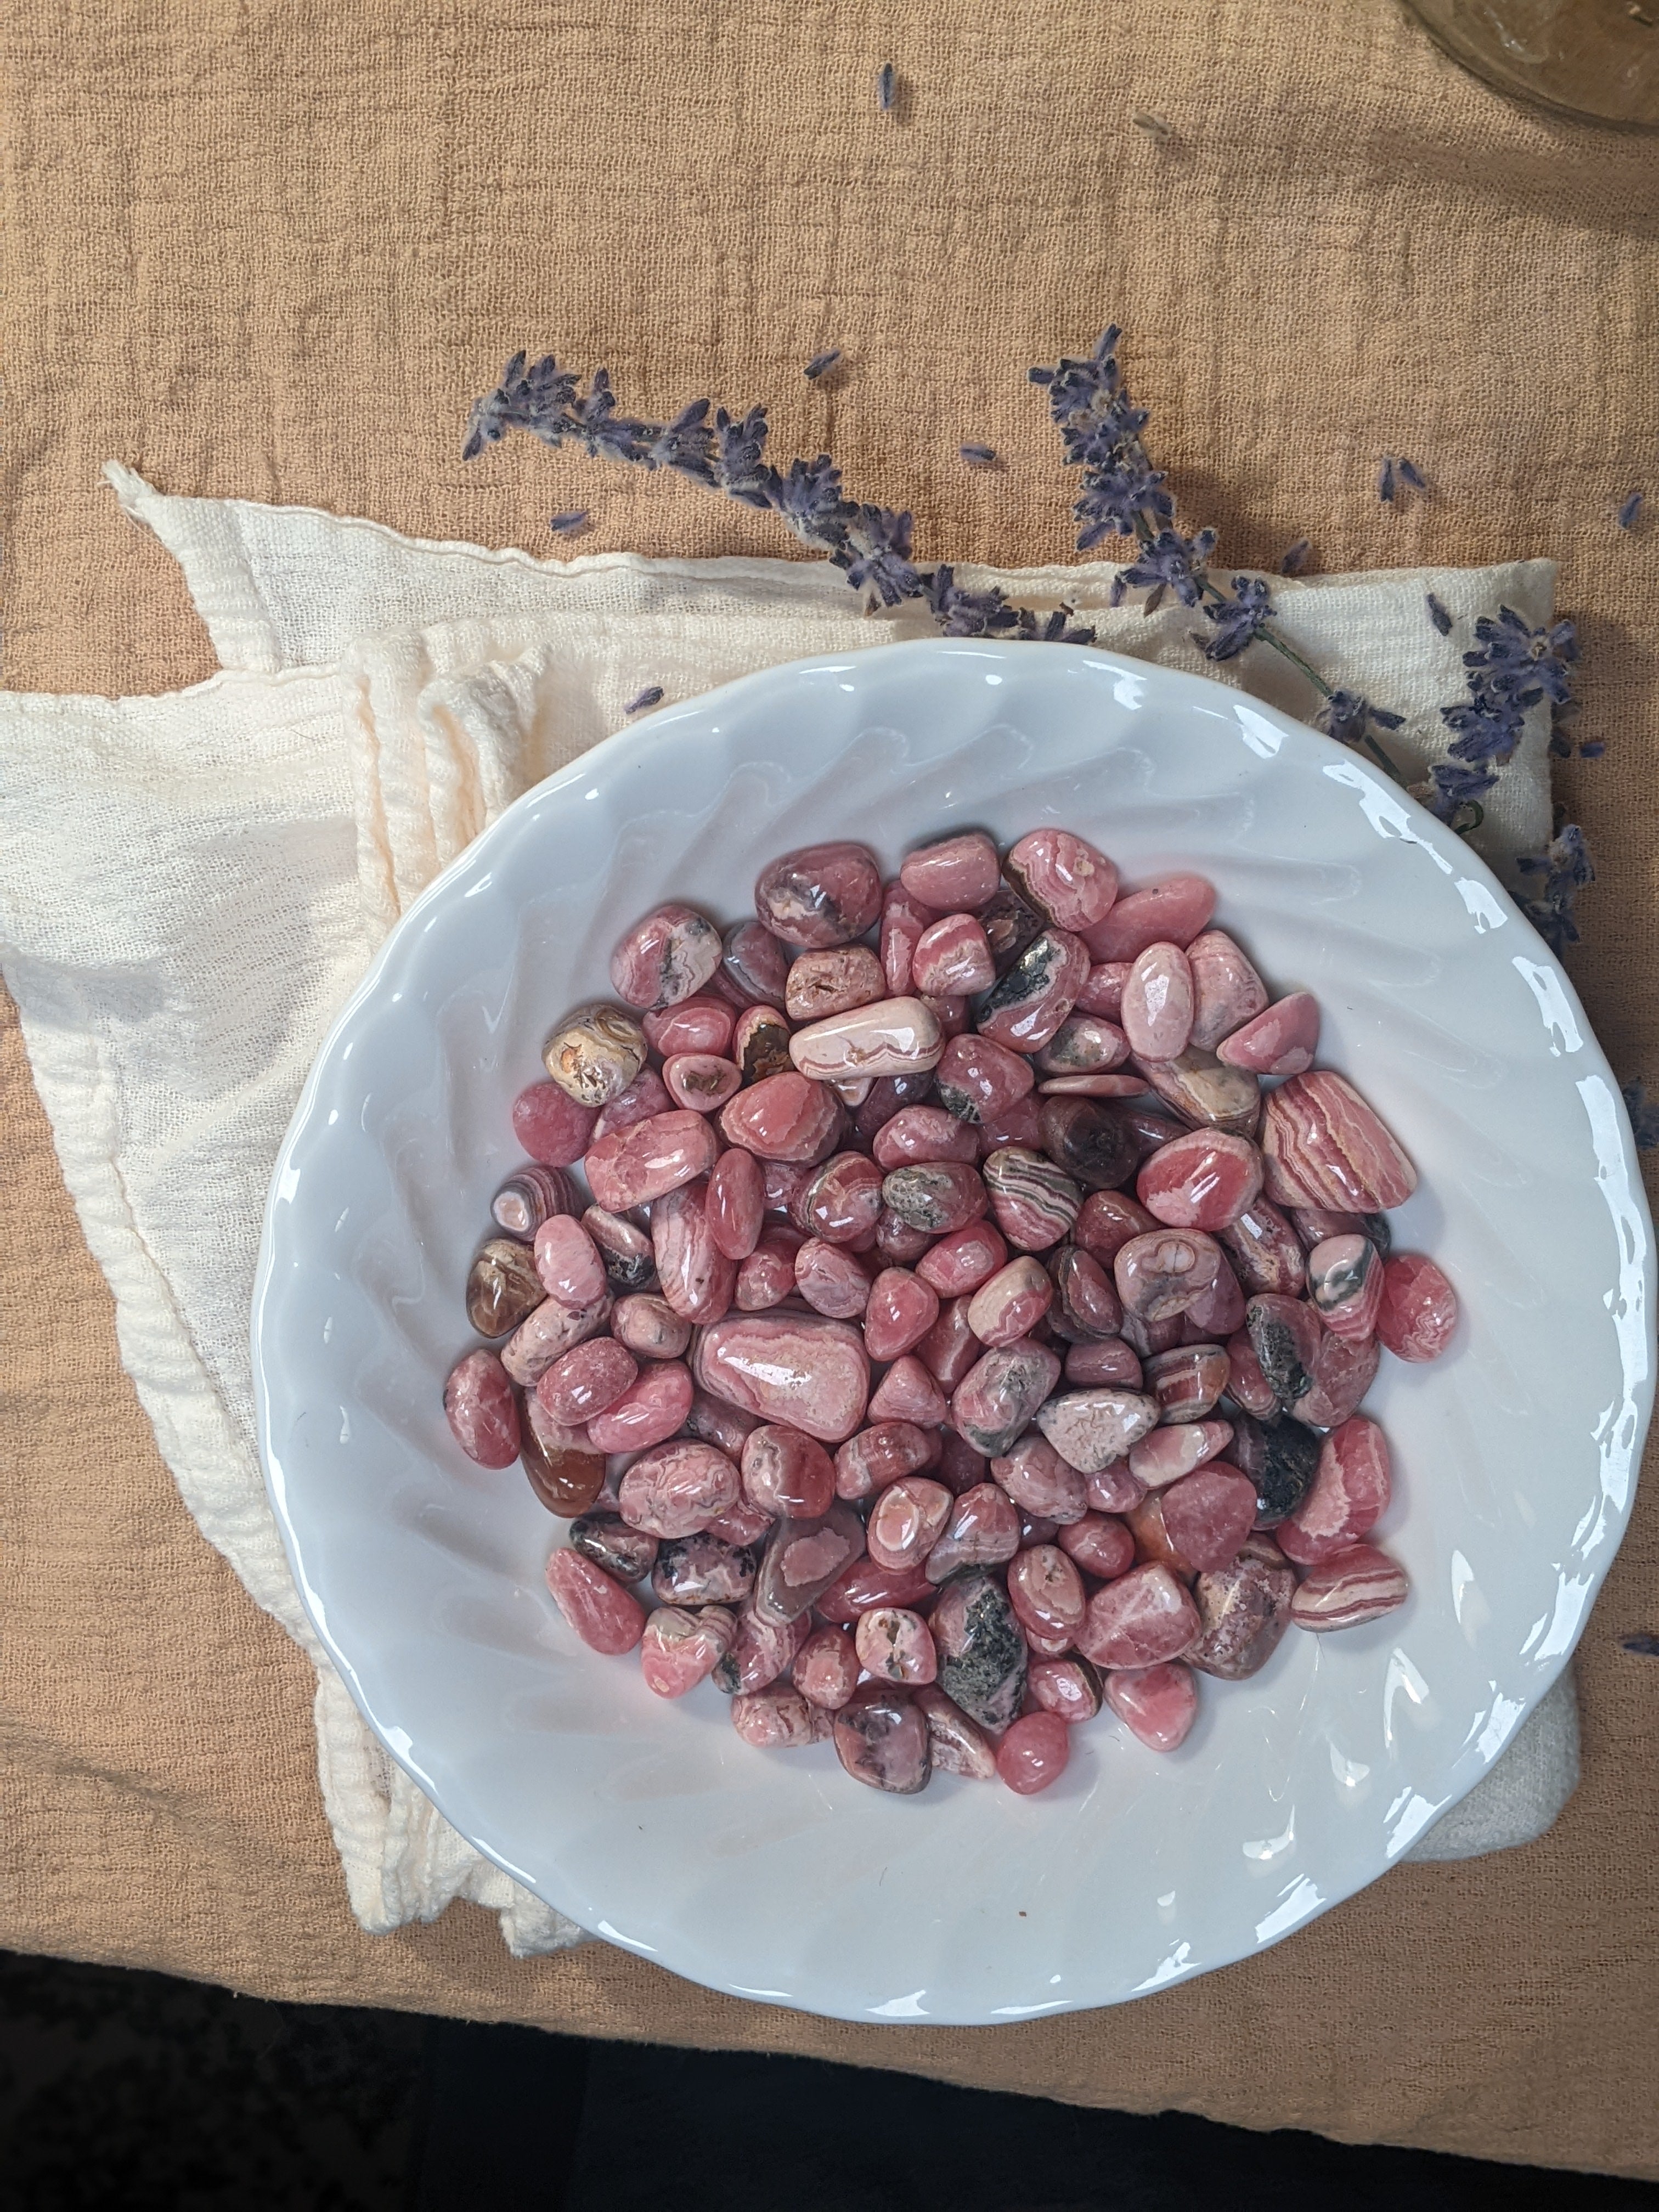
column 1281, row 1041
column 795, row 1368
column 1324, row 1146
column 1354, row 1586
column 1349, row 1495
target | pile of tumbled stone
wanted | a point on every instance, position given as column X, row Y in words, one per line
column 968, row 1319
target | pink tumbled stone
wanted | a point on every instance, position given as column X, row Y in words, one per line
column 753, row 966
column 959, row 873
column 645, row 1097
column 482, row 1411
column 1351, row 1587
column 906, row 1521
column 677, row 1489
column 1086, row 1044
column 768, row 1275
column 982, row 1531
column 962, row 1259
column 697, row 1279
column 897, row 1242
column 1034, row 1201
column 1151, row 1337
column 1045, row 1591
column 760, row 1650
column 785, row 1473
column 1103, row 989
column 1086, row 1305
column 949, row 1348
column 819, row 896
column 1141, row 1619
column 1159, row 1275
column 1108, row 1359
column 843, row 1201
column 1212, row 1318
column 952, row 958
column 647, row 1413
column 940, row 1197
column 1156, row 1017
column 760, row 1044
column 1068, row 1688
column 1323, row 1145
column 683, row 1645
column 889, row 1038
column 833, row 1281
column 1245, row 1380
column 977, row 1079
column 1204, row 1179
column 1344, row 1283
column 1041, row 1482
column 878, row 1455
column 864, row 1585
column 1100, row 1546
column 587, row 1380
column 1091, row 1086
column 553, row 1128
column 1158, row 1704
column 1019, row 1123
column 782, row 1117
column 552, row 1329
column 568, row 1262
column 606, row 1616
column 1265, row 1249
column 694, row 1025
column 777, row 1720
column 1187, row 1380
column 1348, row 1496
column 1281, row 1041
column 994, row 1402
column 1208, row 1514
column 1170, row 913
column 882, row 1738
column 901, row 1309
column 1034, row 997
column 1091, row 1428
column 826, row 1669
column 701, row 1082
column 1114, row 1490
column 1064, row 877
column 1010, row 1305
column 918, row 1136
column 902, row 921
column 908, row 1393
column 1169, row 1453
column 648, row 1326
column 647, row 1160
column 734, row 1202
column 813, row 1373
column 833, row 982
column 1226, row 990
column 893, row 1644
column 1106, row 1221
column 1033, row 1752
column 1419, row 1309
column 667, row 958
column 1342, row 1372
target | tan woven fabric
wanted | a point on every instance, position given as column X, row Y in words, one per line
column 273, row 249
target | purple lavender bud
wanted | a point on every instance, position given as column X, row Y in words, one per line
column 1644, row 1647
column 886, row 87
column 1645, row 1128
column 1385, row 480
column 650, row 697
column 1593, row 751
column 822, row 363
column 1409, row 475
column 1294, row 558
column 980, row 456
column 568, row 523
column 1630, row 509
column 1437, row 614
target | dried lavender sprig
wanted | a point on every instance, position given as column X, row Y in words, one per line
column 821, row 364
column 1564, row 864
column 871, row 545
column 1122, row 495
column 650, row 696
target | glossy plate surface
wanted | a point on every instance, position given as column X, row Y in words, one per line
column 776, row 1876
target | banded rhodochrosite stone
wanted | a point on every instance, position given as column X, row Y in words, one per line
column 857, row 1349
column 1323, row 1145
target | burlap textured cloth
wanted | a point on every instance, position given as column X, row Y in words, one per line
column 273, row 249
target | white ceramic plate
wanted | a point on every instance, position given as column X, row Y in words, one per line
column 776, row 1876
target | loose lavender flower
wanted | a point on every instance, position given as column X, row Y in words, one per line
column 1644, row 1116
column 1630, row 509
column 1643, row 1646
column 978, row 457
column 878, row 556
column 686, row 444
column 1172, row 561
column 1489, row 726
column 886, row 87
column 1409, row 475
column 1564, row 866
column 1237, row 620
column 1454, row 789
column 1155, row 127
column 650, row 697
column 1437, row 614
column 960, row 612
column 1520, row 663
column 1293, row 559
column 740, row 448
column 1348, row 717
column 821, row 364
column 567, row 524
column 1385, row 480
column 808, row 496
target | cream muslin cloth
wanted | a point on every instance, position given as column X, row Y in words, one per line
column 191, row 885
